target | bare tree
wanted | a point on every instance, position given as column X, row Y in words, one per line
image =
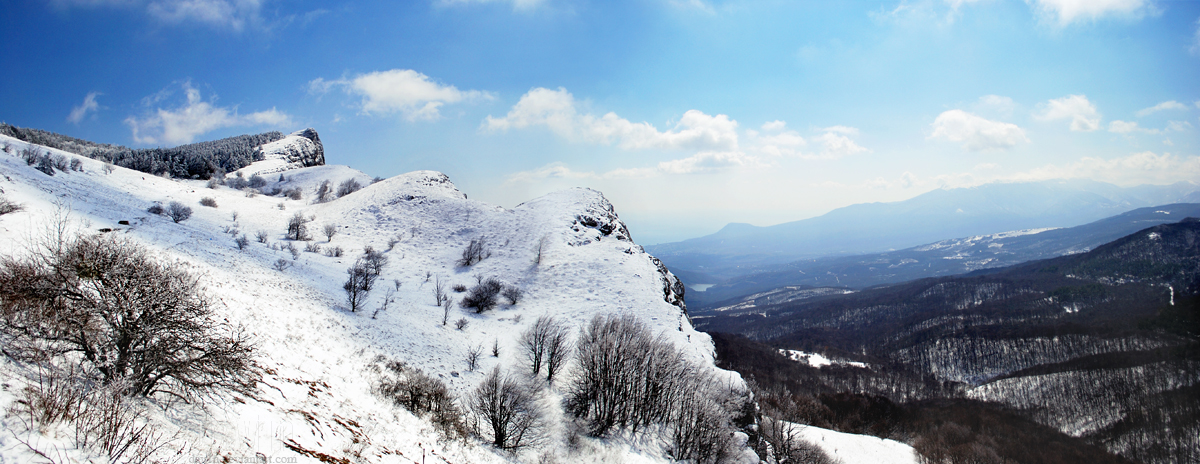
column 446, row 305
column 357, row 285
column 508, row 411
column 535, row 342
column 297, row 228
column 475, row 252
column 330, row 230
column 558, row 349
column 512, row 294
column 347, row 187
column 129, row 318
column 439, row 291
column 473, row 357
column 323, row 192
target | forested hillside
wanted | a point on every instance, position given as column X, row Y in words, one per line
column 201, row 160
column 1101, row 345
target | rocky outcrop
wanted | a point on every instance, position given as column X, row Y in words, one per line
column 300, row 149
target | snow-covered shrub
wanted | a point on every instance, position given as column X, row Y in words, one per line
column 242, row 242
column 256, row 181
column 323, row 192
column 291, row 248
column 475, row 252
column 330, row 230
column 46, row 164
column 237, row 183
column 7, row 206
column 76, row 164
column 178, row 212
column 261, row 236
column 156, row 208
column 213, row 183
column 422, row 394
column 297, row 228
column 209, row 202
column 100, row 418
column 459, row 288
column 293, row 193
column 506, row 412
column 148, row 324
column 460, row 324
column 473, row 357
column 627, row 377
column 482, row 297
column 334, row 252
column 312, row 247
column 512, row 294
column 281, row 265
column 31, row 155
column 347, row 187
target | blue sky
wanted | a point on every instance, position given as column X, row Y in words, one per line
column 687, row 114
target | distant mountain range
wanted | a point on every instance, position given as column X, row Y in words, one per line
column 741, row 249
column 1103, row 345
column 942, row 258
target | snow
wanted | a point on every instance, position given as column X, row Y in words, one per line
column 852, row 448
column 321, row 357
column 817, row 360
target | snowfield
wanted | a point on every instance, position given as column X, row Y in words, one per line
column 321, row 359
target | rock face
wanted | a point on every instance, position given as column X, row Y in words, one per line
column 300, row 149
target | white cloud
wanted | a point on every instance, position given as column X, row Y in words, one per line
column 1128, row 127
column 996, row 103
column 408, row 92
column 1082, row 113
column 89, row 105
column 557, row 110
column 779, row 125
column 1179, row 126
column 837, row 144
column 183, row 124
column 1167, row 105
column 518, row 5
column 232, row 14
column 1067, row 11
column 1138, row 168
column 976, row 133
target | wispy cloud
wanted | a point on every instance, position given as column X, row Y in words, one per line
column 196, row 117
column 558, row 111
column 1138, row 168
column 1082, row 113
column 976, row 133
column 1195, row 48
column 517, row 5
column 1167, row 105
column 408, row 92
column 1065, row 12
column 1129, row 127
column 89, row 105
column 236, row 15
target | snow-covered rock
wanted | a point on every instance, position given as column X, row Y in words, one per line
column 300, row 149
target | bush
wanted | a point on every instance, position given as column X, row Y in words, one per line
column 261, row 236
column 31, row 155
column 512, row 294
column 330, row 230
column 627, row 377
column 76, row 164
column 482, row 297
column 422, row 394
column 213, row 183
column 209, row 202
column 148, row 325
column 256, row 181
column 460, row 324
column 347, row 187
column 242, row 242
column 178, row 212
column 334, row 252
column 7, row 206
column 312, row 247
column 45, row 164
column 475, row 252
column 459, row 288
column 362, row 276
column 156, row 208
column 297, row 228
column 508, row 411
column 323, row 192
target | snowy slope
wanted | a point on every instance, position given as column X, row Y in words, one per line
column 852, row 448
column 320, row 356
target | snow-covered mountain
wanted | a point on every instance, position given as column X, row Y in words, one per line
column 568, row 252
column 299, row 149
